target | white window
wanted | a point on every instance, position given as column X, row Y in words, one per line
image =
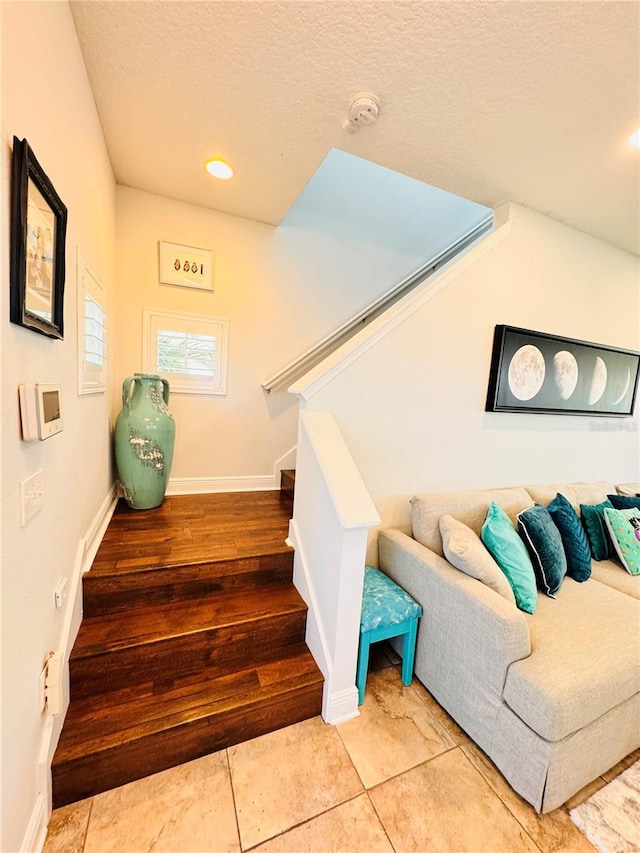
column 92, row 332
column 188, row 350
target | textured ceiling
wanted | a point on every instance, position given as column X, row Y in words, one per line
column 496, row 101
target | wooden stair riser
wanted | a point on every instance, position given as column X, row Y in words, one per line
column 221, row 648
column 101, row 771
column 106, row 593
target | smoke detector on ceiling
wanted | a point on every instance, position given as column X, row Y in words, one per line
column 364, row 109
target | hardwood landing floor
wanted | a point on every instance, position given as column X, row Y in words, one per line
column 189, row 529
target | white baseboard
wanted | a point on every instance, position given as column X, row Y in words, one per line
column 337, row 705
column 288, row 460
column 212, row 485
column 340, row 706
column 87, row 547
column 36, row 833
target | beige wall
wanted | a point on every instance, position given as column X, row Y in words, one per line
column 244, row 432
column 47, row 99
column 416, row 399
column 282, row 289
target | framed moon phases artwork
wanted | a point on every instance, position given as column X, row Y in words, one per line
column 539, row 373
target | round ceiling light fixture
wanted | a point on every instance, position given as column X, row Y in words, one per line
column 634, row 139
column 220, row 169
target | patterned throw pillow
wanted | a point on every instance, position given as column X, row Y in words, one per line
column 574, row 538
column 594, row 524
column 624, row 528
column 544, row 544
column 507, row 549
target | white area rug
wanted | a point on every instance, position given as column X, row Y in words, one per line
column 611, row 817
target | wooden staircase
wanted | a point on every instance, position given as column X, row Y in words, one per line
column 192, row 640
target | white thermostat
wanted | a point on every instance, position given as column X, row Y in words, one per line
column 41, row 410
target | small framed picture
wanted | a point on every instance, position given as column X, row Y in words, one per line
column 38, row 232
column 542, row 373
column 186, row 266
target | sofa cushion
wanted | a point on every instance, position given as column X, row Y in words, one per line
column 623, row 526
column 574, row 538
column 629, row 489
column 509, row 552
column 576, row 493
column 464, row 549
column 593, row 519
column 468, row 507
column 612, row 574
column 571, row 676
column 544, row 544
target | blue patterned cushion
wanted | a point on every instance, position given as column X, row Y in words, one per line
column 384, row 603
column 574, row 538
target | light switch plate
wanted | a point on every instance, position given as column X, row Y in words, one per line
column 31, row 496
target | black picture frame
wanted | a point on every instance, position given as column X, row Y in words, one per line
column 38, row 235
column 538, row 373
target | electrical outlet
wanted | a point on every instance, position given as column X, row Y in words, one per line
column 31, row 496
column 61, row 593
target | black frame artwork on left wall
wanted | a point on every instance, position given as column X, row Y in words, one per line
column 38, row 235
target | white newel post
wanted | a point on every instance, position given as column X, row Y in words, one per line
column 332, row 513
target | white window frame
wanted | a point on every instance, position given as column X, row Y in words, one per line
column 92, row 378
column 155, row 320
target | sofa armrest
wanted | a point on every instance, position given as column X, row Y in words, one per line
column 469, row 635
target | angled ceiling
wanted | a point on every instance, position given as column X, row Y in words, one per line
column 496, row 101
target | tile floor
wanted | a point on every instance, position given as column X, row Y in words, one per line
column 401, row 777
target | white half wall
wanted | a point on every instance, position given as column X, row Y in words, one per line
column 411, row 407
column 46, row 98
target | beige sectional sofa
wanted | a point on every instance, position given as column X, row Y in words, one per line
column 553, row 698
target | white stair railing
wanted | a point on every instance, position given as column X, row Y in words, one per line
column 331, row 515
column 319, row 350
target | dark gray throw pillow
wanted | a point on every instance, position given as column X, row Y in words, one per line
column 544, row 544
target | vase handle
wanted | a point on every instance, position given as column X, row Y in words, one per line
column 165, row 390
column 126, row 386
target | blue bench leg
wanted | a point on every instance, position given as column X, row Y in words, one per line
column 408, row 652
column 363, row 664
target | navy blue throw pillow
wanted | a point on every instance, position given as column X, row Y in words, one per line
column 624, row 502
column 574, row 539
column 545, row 548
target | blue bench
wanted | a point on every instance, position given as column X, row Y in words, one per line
column 387, row 611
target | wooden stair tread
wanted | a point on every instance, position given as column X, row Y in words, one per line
column 95, row 726
column 147, row 624
column 147, row 559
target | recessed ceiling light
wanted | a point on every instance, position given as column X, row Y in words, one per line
column 634, row 139
column 220, row 169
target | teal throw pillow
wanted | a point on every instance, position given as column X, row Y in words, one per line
column 624, row 528
column 624, row 502
column 544, row 544
column 574, row 538
column 509, row 552
column 594, row 524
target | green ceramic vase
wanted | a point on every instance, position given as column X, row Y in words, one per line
column 144, row 439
